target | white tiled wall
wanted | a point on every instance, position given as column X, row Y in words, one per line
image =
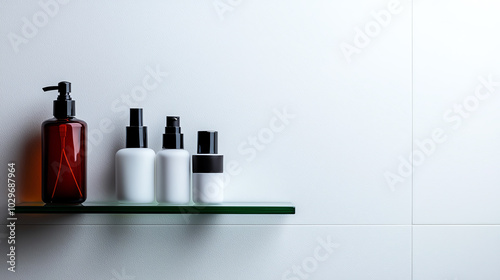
column 215, row 252
column 456, row 252
column 357, row 104
column 454, row 52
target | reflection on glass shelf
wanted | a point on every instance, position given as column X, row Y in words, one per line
column 101, row 208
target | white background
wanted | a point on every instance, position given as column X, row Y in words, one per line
column 236, row 66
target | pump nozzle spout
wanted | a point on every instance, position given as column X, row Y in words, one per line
column 50, row 88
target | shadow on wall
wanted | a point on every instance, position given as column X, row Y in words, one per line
column 43, row 246
column 29, row 169
column 105, row 172
column 51, row 250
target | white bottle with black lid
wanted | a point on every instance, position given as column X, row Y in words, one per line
column 208, row 170
column 135, row 165
column 172, row 166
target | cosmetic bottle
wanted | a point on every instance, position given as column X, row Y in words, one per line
column 135, row 165
column 64, row 143
column 172, row 166
column 208, row 168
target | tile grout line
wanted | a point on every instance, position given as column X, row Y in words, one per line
column 412, row 129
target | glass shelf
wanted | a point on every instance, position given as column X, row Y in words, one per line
column 101, row 208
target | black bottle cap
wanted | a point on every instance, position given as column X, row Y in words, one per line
column 207, row 142
column 137, row 134
column 173, row 138
column 64, row 106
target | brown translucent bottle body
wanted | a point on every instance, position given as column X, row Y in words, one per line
column 64, row 165
column 64, row 162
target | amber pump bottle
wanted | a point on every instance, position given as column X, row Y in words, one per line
column 64, row 143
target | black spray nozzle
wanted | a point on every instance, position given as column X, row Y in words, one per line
column 173, row 121
column 207, row 142
column 137, row 134
column 136, row 117
column 63, row 106
column 173, row 138
column 173, row 125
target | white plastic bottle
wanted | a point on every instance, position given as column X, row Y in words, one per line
column 135, row 165
column 208, row 168
column 172, row 166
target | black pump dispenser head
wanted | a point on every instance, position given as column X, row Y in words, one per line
column 137, row 134
column 64, row 106
column 173, row 138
